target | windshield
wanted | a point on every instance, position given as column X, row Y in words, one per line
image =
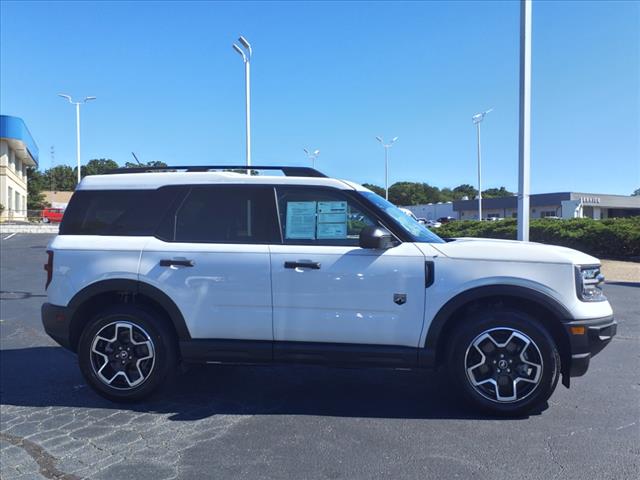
column 416, row 230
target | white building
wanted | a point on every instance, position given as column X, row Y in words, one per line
column 18, row 151
column 433, row 211
column 561, row 205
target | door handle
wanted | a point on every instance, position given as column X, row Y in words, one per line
column 311, row 265
column 182, row 263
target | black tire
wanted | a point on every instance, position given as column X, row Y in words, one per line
column 517, row 389
column 148, row 334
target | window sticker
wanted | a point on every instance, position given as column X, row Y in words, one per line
column 301, row 220
column 332, row 212
column 332, row 220
column 332, row 230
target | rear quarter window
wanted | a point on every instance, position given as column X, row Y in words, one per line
column 117, row 212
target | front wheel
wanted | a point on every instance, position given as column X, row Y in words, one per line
column 127, row 352
column 504, row 362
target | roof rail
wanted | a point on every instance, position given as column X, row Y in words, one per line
column 288, row 171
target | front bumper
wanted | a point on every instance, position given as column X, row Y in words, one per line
column 57, row 323
column 596, row 334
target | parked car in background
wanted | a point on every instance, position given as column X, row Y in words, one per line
column 433, row 224
column 52, row 215
column 446, row 219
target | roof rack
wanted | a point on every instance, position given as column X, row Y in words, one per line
column 288, row 171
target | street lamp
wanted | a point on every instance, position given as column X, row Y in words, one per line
column 77, row 104
column 246, row 58
column 477, row 119
column 524, row 138
column 312, row 156
column 386, row 146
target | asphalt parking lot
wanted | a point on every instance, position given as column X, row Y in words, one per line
column 300, row 422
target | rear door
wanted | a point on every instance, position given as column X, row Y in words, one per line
column 327, row 289
column 212, row 259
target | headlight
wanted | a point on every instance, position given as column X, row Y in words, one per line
column 589, row 282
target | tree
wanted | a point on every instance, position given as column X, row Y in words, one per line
column 61, row 178
column 413, row 193
column 374, row 188
column 497, row 193
column 36, row 183
column 447, row 195
column 154, row 163
column 465, row 190
column 98, row 166
column 636, row 193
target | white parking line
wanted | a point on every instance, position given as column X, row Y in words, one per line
column 9, row 236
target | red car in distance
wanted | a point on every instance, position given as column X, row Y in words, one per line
column 52, row 215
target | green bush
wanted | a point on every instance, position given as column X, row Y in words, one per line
column 612, row 237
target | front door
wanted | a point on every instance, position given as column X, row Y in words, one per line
column 328, row 289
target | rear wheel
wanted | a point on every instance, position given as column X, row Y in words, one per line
column 504, row 362
column 127, row 352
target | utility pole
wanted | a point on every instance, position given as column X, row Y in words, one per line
column 77, row 104
column 246, row 58
column 312, row 156
column 477, row 119
column 53, row 164
column 386, row 146
column 524, row 158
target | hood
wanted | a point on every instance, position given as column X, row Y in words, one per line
column 512, row 250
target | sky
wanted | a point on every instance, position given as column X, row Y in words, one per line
column 333, row 76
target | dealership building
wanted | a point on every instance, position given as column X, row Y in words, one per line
column 560, row 205
column 18, row 151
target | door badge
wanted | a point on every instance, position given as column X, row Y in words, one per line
column 400, row 298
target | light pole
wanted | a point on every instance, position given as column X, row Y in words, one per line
column 246, row 58
column 524, row 140
column 77, row 104
column 386, row 146
column 477, row 119
column 312, row 156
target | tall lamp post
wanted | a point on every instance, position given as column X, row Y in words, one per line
column 386, row 146
column 524, row 156
column 246, row 58
column 312, row 156
column 77, row 104
column 477, row 120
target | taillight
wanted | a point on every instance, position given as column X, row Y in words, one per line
column 48, row 267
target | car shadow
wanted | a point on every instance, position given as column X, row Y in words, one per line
column 624, row 284
column 49, row 377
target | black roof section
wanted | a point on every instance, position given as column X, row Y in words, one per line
column 287, row 171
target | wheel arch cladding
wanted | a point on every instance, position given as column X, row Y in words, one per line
column 548, row 311
column 100, row 295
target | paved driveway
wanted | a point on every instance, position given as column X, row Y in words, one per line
column 301, row 422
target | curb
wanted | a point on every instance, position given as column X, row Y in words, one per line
column 28, row 229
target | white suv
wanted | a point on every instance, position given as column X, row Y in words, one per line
column 203, row 264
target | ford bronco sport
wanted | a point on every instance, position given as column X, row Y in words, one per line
column 154, row 267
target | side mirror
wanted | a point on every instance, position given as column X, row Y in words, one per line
column 377, row 238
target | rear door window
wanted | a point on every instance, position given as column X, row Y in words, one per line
column 224, row 214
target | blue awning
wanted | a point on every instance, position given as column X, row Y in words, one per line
column 15, row 131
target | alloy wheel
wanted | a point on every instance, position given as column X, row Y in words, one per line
column 122, row 355
column 503, row 365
